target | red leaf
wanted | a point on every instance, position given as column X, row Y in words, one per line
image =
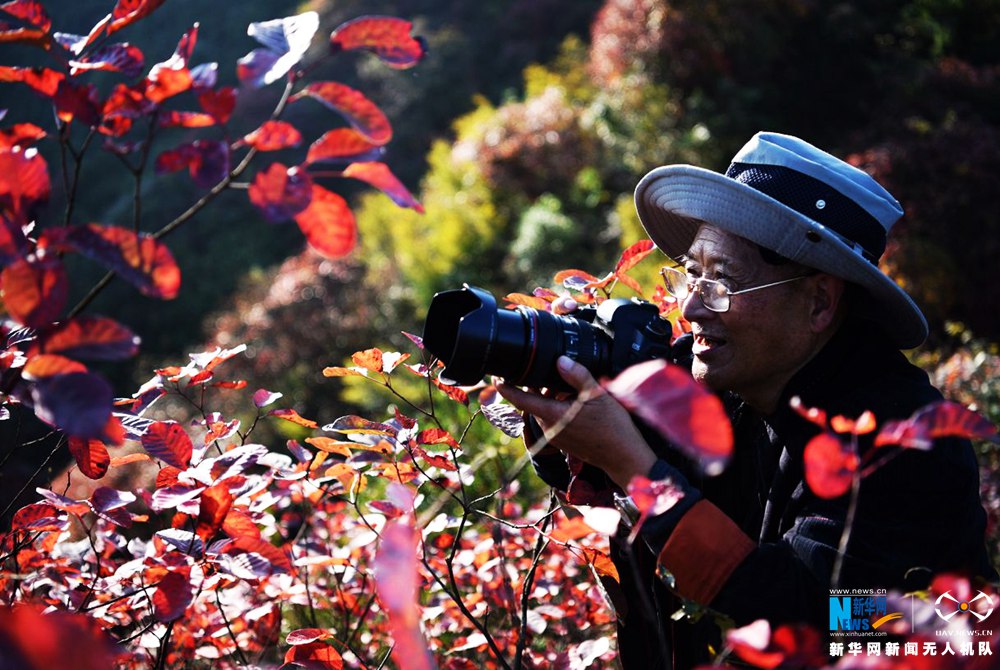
column 307, row 635
column 631, row 256
column 127, row 12
column 216, row 502
column 185, row 47
column 396, row 582
column 274, row 136
column 342, row 145
column 94, row 338
column 78, row 403
column 23, row 36
column 274, row 555
column 173, row 595
column 286, row 42
column 574, row 278
column 139, row 259
column 442, row 462
column 172, row 119
column 293, row 416
column 26, row 645
column 369, row 359
column 124, row 58
column 167, row 79
column 41, row 79
column 381, row 177
column 281, row 193
column 38, row 517
column 167, row 476
column 239, row 524
column 359, row 111
column 49, row 365
column 352, row 424
column 328, row 223
column 168, row 442
column 387, row 37
column 653, row 497
column 534, row 302
column 29, row 11
column 453, row 392
column 219, row 104
column 940, row 419
column 35, row 292
column 791, row 646
column 24, row 183
column 20, row 136
column 829, row 465
column 683, row 411
column 91, row 456
column 436, row 436
column 77, row 103
column 314, row 656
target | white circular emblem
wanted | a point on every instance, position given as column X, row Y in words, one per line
column 820, row 204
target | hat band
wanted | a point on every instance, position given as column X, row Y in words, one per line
column 818, row 201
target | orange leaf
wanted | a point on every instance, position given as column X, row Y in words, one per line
column 387, row 37
column 48, row 365
column 369, row 359
column 633, row 255
column 274, row 136
column 216, row 501
column 381, row 177
column 342, row 145
column 35, row 292
column 293, row 416
column 137, row 457
column 341, row 372
column 91, row 456
column 317, row 655
column 331, row 446
column 328, row 223
column 363, row 114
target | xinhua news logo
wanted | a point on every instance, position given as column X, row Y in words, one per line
column 860, row 612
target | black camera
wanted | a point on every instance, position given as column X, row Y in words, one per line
column 466, row 331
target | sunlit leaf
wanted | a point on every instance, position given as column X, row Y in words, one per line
column 91, row 456
column 369, row 359
column 127, row 12
column 941, row 419
column 109, row 504
column 167, row 79
column 24, row 183
column 167, row 441
column 91, row 338
column 75, row 102
column 505, row 417
column 204, row 76
column 670, row 401
column 185, row 47
column 396, row 580
column 280, row 193
column 331, row 446
column 139, row 259
column 363, row 114
column 216, row 502
column 286, row 42
column 263, row 397
column 633, row 255
column 29, row 11
column 274, row 136
column 343, row 145
column 79, row 403
column 387, row 37
column 328, row 223
column 41, row 79
column 20, row 136
column 173, row 595
column 307, row 635
column 125, row 58
column 352, row 424
column 172, row 119
column 293, row 416
column 453, row 392
column 830, row 465
column 239, row 524
column 436, row 436
column 35, row 291
column 274, row 555
column 314, row 656
column 381, row 177
column 513, row 299
column 48, row 365
column 218, row 103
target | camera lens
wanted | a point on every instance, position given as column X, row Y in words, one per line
column 473, row 338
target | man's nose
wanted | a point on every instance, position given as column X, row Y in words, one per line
column 693, row 308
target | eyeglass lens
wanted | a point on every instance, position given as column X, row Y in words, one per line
column 713, row 294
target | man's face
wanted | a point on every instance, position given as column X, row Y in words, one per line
column 754, row 348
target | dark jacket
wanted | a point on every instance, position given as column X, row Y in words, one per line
column 760, row 544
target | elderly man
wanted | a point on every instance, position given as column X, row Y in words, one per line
column 777, row 274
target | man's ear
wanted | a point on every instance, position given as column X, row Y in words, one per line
column 827, row 298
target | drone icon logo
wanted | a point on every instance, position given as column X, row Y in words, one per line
column 980, row 607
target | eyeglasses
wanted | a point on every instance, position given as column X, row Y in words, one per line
column 714, row 295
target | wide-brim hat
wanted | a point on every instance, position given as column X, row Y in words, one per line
column 797, row 200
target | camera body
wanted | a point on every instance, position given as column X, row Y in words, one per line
column 465, row 329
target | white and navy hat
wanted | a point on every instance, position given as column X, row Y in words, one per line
column 799, row 201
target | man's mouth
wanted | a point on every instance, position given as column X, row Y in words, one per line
column 704, row 343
